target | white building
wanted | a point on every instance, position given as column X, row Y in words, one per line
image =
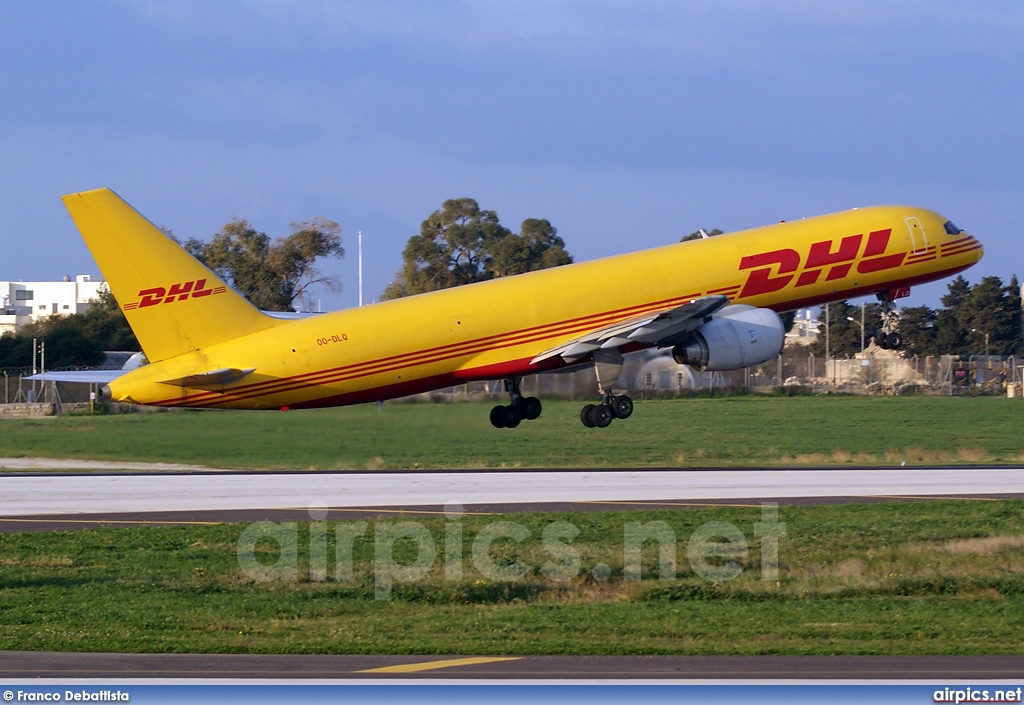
column 26, row 302
column 805, row 328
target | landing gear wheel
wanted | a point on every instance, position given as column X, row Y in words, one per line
column 520, row 408
column 585, row 415
column 601, row 416
column 622, row 407
column 886, row 338
column 530, row 408
column 510, row 416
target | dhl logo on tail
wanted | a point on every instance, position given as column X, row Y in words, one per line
column 178, row 292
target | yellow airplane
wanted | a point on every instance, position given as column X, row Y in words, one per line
column 713, row 301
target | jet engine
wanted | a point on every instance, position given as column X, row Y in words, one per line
column 737, row 336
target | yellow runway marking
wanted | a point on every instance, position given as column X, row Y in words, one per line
column 433, row 665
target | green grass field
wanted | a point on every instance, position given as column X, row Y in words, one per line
column 727, row 431
column 939, row 577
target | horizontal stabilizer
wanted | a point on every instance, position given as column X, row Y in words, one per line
column 212, row 379
column 80, row 376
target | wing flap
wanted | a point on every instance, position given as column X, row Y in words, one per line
column 648, row 329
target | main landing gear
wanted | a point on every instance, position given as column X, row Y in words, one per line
column 886, row 338
column 607, row 365
column 611, row 408
column 520, row 408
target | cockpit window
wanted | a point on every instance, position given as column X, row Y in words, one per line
column 951, row 228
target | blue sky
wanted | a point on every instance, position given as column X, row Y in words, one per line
column 627, row 124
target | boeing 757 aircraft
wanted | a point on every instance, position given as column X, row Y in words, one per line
column 714, row 302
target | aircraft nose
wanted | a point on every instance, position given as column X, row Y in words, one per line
column 974, row 247
column 960, row 243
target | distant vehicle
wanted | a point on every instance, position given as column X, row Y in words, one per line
column 713, row 301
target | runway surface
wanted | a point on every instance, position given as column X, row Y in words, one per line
column 69, row 522
column 78, row 666
column 34, row 500
column 25, row 495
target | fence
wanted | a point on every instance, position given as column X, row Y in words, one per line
column 18, row 389
column 650, row 374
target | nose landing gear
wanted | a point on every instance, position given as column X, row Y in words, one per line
column 520, row 408
column 886, row 338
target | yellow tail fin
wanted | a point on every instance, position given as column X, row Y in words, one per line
column 171, row 300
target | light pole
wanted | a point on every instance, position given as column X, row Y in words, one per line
column 828, row 353
column 861, row 324
column 827, row 318
column 975, row 330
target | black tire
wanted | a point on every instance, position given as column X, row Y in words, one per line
column 585, row 415
column 511, row 416
column 530, row 408
column 602, row 415
column 894, row 340
column 498, row 417
column 622, row 407
column 882, row 340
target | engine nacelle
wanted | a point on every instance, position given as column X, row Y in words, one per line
column 736, row 337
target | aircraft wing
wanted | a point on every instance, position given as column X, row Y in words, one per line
column 81, row 376
column 650, row 329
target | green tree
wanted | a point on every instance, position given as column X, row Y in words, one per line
column 788, row 319
column 78, row 340
column 15, row 351
column 536, row 247
column 919, row 327
column 272, row 275
column 950, row 330
column 67, row 343
column 462, row 244
column 970, row 313
column 991, row 310
column 106, row 325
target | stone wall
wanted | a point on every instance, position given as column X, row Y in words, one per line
column 26, row 411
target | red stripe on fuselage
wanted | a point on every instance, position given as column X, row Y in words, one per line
column 420, row 357
column 504, row 340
